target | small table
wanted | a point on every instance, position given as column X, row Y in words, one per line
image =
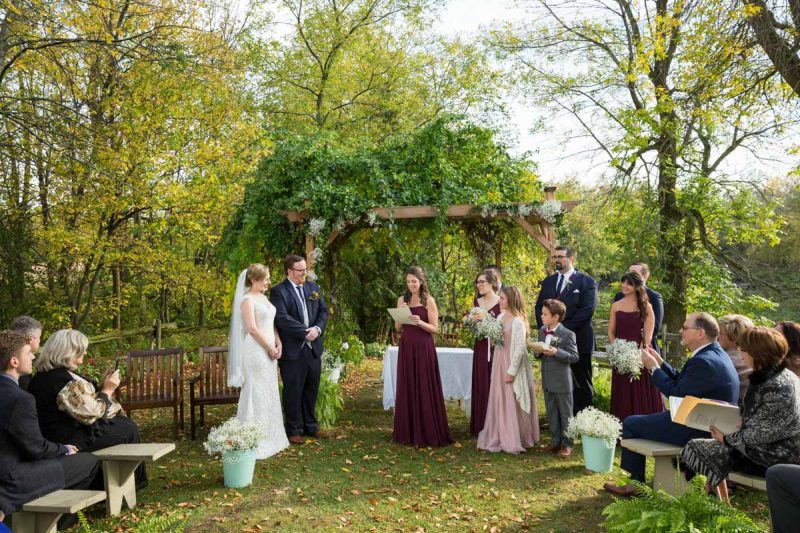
column 455, row 367
column 119, row 465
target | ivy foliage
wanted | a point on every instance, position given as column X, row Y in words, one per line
column 447, row 162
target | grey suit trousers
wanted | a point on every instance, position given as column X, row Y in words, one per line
column 559, row 410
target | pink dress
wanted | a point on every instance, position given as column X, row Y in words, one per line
column 508, row 428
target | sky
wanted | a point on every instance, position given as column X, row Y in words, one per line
column 556, row 159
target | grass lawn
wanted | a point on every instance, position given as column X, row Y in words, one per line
column 358, row 480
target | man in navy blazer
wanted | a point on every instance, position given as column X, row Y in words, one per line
column 656, row 300
column 300, row 318
column 709, row 373
column 578, row 291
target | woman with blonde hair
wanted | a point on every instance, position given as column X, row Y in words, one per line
column 731, row 328
column 72, row 408
column 512, row 421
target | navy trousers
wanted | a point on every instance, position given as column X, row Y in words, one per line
column 300, row 387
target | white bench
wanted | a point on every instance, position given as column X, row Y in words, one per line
column 42, row 514
column 746, row 480
column 666, row 478
column 119, row 465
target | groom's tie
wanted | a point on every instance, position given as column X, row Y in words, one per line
column 302, row 303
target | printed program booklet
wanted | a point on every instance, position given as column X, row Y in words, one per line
column 700, row 413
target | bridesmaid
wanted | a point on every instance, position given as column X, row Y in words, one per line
column 486, row 285
column 512, row 423
column 632, row 319
column 419, row 414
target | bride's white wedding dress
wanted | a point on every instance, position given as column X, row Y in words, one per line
column 259, row 400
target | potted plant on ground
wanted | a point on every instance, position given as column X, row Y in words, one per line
column 236, row 443
column 598, row 432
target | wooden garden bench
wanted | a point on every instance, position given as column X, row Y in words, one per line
column 42, row 514
column 210, row 385
column 119, row 465
column 154, row 378
column 665, row 478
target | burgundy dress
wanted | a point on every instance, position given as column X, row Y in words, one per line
column 419, row 414
column 481, row 377
column 640, row 396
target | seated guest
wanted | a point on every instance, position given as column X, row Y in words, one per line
column 783, row 491
column 770, row 430
column 731, row 328
column 791, row 331
column 30, row 465
column 708, row 373
column 32, row 329
column 72, row 408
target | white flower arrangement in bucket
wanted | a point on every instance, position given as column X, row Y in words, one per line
column 598, row 432
column 625, row 357
column 236, row 442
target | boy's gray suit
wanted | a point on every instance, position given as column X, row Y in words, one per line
column 557, row 382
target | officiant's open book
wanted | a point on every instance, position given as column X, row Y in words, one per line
column 700, row 413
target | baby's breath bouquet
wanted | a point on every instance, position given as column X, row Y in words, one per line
column 485, row 326
column 234, row 436
column 593, row 422
column 625, row 357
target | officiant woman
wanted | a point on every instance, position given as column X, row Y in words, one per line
column 419, row 414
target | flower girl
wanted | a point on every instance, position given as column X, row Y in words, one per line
column 512, row 423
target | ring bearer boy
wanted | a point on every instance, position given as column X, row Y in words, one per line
column 561, row 352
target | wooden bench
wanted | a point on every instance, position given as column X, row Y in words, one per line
column 746, row 480
column 154, row 378
column 665, row 478
column 211, row 384
column 42, row 514
column 119, row 465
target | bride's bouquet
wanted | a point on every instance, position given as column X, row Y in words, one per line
column 625, row 357
column 485, row 326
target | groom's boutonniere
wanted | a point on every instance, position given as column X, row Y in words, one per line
column 314, row 296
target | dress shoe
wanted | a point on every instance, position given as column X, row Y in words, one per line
column 566, row 451
column 296, row 439
column 625, row 491
column 319, row 435
column 551, row 448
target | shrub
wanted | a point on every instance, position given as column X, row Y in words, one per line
column 375, row 350
column 329, row 402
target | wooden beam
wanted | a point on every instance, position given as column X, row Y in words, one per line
column 425, row 211
column 534, row 232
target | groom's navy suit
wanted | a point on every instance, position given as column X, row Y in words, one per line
column 580, row 297
column 300, row 362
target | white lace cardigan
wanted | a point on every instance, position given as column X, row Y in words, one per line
column 520, row 365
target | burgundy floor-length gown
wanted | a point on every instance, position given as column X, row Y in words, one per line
column 481, row 377
column 640, row 396
column 419, row 413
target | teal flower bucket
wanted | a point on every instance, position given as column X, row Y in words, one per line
column 238, row 468
column 597, row 454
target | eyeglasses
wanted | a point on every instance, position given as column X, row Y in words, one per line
column 559, row 257
column 301, row 270
column 481, row 282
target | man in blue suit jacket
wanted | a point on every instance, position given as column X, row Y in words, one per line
column 709, row 373
column 300, row 318
column 656, row 300
column 578, row 291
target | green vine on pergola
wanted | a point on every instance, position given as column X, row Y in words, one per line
column 320, row 189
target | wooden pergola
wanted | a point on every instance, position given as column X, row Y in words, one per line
column 537, row 227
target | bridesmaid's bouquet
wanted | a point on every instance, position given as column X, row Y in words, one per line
column 625, row 357
column 485, row 326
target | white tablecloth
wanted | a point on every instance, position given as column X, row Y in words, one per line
column 455, row 367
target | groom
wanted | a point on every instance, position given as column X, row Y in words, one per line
column 300, row 319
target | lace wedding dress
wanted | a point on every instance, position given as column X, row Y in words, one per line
column 259, row 400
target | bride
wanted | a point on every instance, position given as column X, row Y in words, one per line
column 253, row 353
